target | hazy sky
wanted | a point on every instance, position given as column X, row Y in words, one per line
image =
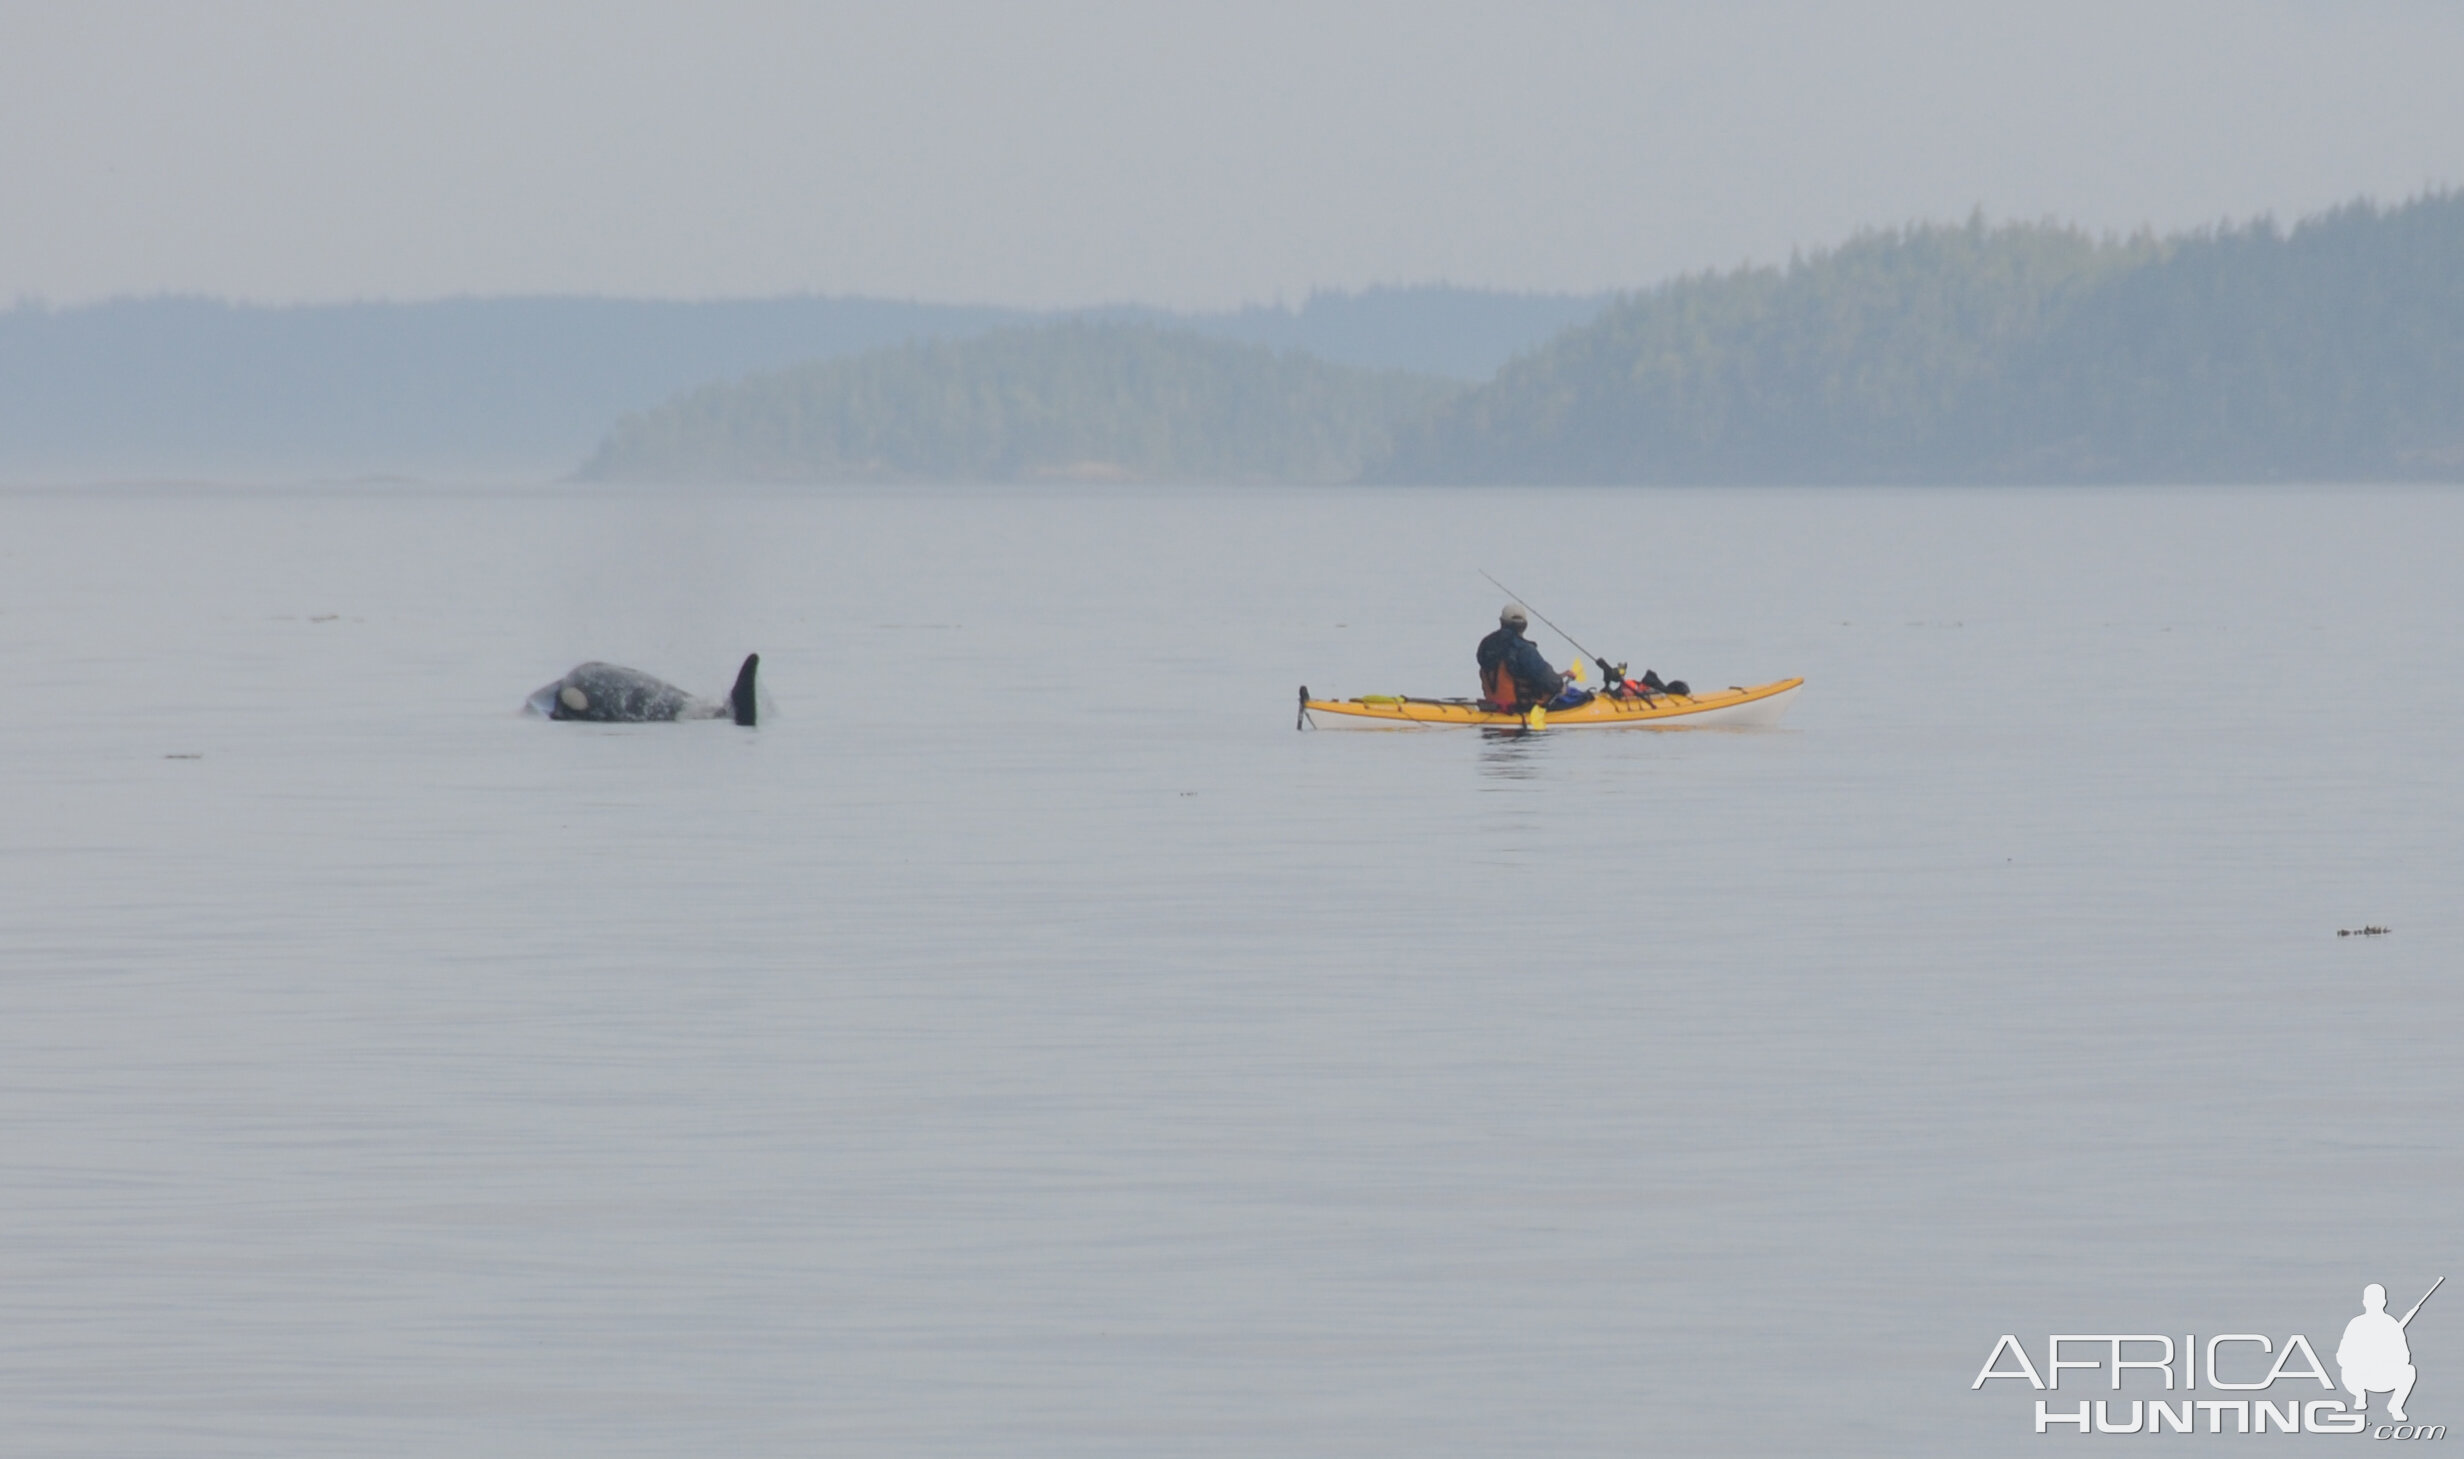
column 1190, row 154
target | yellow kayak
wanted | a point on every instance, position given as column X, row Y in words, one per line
column 1760, row 705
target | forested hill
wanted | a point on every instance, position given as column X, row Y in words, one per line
column 2014, row 353
column 1076, row 399
column 526, row 386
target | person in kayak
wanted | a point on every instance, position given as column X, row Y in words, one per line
column 1513, row 675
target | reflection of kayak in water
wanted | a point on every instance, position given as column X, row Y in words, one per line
column 1761, row 705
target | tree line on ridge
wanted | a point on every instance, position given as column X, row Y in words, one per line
column 1941, row 353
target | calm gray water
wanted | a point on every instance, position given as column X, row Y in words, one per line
column 1026, row 1043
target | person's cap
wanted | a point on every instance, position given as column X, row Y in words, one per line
column 1513, row 613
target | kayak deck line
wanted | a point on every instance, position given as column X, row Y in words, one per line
column 1760, row 704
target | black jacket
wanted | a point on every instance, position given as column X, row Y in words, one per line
column 1534, row 681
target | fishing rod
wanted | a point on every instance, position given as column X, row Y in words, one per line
column 2426, row 1296
column 1605, row 669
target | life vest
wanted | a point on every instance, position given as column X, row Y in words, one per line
column 1497, row 684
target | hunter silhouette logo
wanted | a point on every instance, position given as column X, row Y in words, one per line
column 2375, row 1356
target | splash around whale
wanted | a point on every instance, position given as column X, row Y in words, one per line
column 612, row 694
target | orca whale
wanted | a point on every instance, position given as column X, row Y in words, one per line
column 612, row 694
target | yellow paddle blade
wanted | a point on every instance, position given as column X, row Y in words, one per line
column 1578, row 671
column 1537, row 718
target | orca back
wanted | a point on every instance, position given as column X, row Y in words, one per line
column 613, row 694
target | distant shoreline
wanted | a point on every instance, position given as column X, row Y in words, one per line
column 1956, row 354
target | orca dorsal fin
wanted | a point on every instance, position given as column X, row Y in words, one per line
column 740, row 698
